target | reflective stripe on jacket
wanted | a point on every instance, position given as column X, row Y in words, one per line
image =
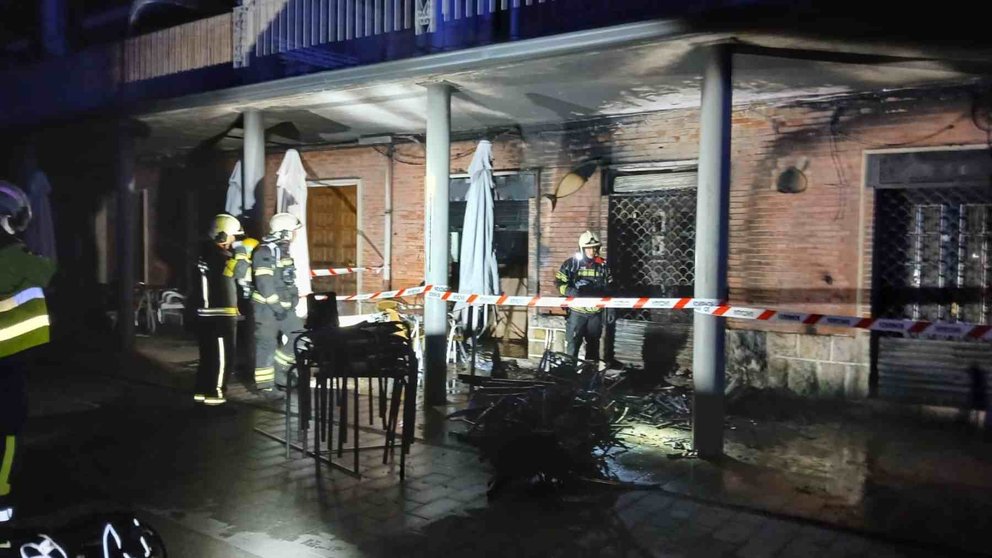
column 24, row 321
column 582, row 276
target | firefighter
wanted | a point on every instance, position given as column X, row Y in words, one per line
column 218, row 312
column 241, row 265
column 24, row 326
column 584, row 275
column 274, row 301
column 241, row 268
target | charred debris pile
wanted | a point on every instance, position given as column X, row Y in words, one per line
column 563, row 424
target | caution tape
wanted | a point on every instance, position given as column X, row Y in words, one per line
column 575, row 302
column 914, row 327
column 334, row 271
column 536, row 301
column 712, row 307
column 383, row 295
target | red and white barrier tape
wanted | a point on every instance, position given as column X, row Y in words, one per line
column 383, row 295
column 442, row 293
column 334, row 271
column 575, row 302
column 915, row 327
column 706, row 306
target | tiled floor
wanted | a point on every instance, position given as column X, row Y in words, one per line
column 214, row 487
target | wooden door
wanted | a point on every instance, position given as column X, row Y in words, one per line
column 332, row 231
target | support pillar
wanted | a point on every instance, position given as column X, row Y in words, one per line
column 712, row 219
column 253, row 166
column 127, row 235
column 436, row 239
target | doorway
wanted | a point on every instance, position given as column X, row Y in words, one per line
column 332, row 233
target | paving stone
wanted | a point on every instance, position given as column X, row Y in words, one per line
column 437, row 509
column 768, row 539
column 799, row 548
column 735, row 531
column 242, row 491
column 471, row 495
column 712, row 516
column 817, row 535
column 847, row 545
column 683, row 509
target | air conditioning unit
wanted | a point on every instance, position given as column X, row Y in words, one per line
column 650, row 177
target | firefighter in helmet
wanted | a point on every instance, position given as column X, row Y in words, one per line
column 241, row 264
column 274, row 300
column 584, row 275
column 24, row 326
column 217, row 316
column 241, row 269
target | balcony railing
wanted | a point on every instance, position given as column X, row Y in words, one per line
column 266, row 27
column 199, row 44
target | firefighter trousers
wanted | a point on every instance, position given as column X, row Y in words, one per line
column 216, row 336
column 13, row 412
column 582, row 326
column 245, row 364
column 273, row 356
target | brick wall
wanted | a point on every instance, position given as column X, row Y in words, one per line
column 809, row 251
column 798, row 251
column 369, row 166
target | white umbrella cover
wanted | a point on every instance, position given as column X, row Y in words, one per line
column 477, row 270
column 291, row 197
column 238, row 203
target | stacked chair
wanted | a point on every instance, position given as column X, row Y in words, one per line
column 333, row 363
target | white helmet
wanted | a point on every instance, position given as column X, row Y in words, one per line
column 283, row 223
column 15, row 209
column 589, row 239
column 225, row 224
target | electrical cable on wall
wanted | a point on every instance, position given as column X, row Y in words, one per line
column 981, row 116
column 838, row 164
column 419, row 160
column 835, row 132
column 835, row 129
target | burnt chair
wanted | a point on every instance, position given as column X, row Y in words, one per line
column 333, row 362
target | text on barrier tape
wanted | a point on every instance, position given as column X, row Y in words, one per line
column 916, row 327
column 441, row 292
column 574, row 302
column 333, row 271
column 383, row 295
column 712, row 307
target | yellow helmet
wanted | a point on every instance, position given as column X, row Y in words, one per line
column 250, row 244
column 589, row 239
column 225, row 224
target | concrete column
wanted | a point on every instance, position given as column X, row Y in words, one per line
column 101, row 229
column 127, row 235
column 253, row 164
column 712, row 216
column 387, row 257
column 436, row 238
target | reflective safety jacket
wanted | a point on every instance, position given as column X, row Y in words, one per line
column 217, row 288
column 274, row 274
column 24, row 321
column 239, row 267
column 584, row 277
